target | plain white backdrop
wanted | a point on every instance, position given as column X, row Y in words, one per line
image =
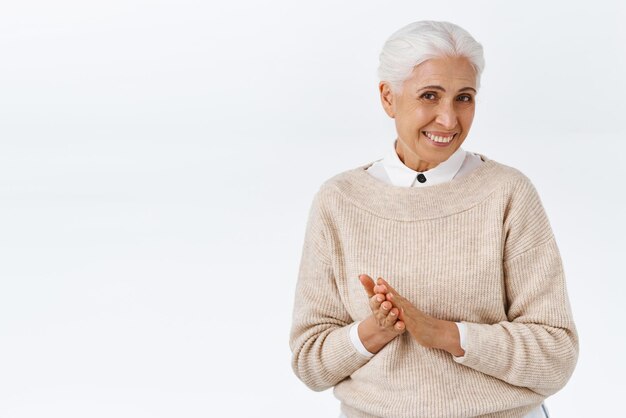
column 158, row 160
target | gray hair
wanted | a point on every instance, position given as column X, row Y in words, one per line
column 420, row 41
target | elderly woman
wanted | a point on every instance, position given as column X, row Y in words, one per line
column 469, row 314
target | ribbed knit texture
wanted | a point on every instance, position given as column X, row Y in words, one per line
column 478, row 250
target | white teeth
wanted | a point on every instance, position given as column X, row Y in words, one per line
column 436, row 138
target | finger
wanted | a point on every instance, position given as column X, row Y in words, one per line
column 401, row 315
column 386, row 306
column 381, row 309
column 380, row 289
column 375, row 302
column 368, row 284
column 400, row 302
column 395, row 299
column 392, row 294
column 383, row 282
column 391, row 319
column 399, row 326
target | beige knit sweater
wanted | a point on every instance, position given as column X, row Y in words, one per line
column 478, row 250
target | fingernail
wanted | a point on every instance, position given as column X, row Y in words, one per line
column 379, row 298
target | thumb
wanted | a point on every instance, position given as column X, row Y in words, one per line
column 368, row 284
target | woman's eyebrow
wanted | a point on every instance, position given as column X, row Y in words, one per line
column 444, row 90
column 433, row 88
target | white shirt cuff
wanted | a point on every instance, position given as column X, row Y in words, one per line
column 356, row 341
column 463, row 336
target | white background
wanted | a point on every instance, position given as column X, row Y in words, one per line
column 158, row 160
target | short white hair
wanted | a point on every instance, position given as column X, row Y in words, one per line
column 423, row 40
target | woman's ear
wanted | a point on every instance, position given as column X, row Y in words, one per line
column 387, row 98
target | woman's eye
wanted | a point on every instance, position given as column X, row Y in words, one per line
column 465, row 98
column 429, row 96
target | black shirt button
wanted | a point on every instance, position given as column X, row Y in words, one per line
column 421, row 178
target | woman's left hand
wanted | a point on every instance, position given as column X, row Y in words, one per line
column 427, row 330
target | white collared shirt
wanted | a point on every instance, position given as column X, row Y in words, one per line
column 392, row 170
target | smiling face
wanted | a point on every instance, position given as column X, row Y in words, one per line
column 433, row 112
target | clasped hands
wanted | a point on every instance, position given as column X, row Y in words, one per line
column 392, row 315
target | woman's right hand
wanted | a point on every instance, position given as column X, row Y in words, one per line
column 383, row 325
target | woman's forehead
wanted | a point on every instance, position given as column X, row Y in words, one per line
column 446, row 71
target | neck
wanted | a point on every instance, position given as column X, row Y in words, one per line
column 411, row 159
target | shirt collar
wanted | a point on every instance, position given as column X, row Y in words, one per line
column 403, row 176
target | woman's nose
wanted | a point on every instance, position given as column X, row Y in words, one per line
column 446, row 116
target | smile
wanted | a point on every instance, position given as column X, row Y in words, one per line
column 439, row 139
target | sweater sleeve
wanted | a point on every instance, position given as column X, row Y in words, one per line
column 537, row 347
column 323, row 354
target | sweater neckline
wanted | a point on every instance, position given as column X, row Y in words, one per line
column 417, row 203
